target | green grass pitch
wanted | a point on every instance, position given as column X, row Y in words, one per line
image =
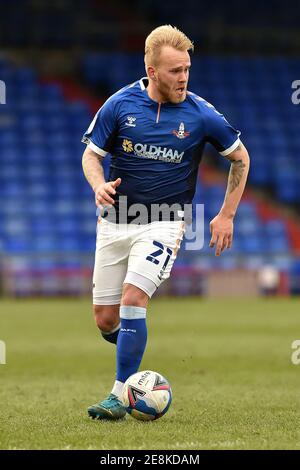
column 228, row 363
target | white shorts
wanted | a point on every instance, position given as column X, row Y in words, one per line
column 142, row 255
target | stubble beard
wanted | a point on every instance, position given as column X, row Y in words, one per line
column 170, row 97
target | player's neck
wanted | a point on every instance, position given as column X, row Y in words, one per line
column 154, row 94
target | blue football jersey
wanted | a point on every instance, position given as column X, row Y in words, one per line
column 156, row 148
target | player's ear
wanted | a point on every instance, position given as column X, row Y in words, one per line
column 151, row 72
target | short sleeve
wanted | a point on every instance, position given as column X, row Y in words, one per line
column 101, row 134
column 219, row 132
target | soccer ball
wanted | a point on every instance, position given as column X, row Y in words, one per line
column 147, row 395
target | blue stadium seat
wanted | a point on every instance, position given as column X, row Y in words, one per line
column 18, row 245
column 251, row 245
column 46, row 243
column 275, row 227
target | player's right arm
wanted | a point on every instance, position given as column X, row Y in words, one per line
column 93, row 171
column 99, row 139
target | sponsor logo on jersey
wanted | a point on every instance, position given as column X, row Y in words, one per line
column 127, row 146
column 130, row 121
column 181, row 134
column 153, row 152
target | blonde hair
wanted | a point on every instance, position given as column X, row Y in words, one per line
column 166, row 35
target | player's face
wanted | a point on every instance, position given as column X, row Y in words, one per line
column 172, row 74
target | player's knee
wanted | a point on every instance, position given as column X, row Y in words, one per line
column 106, row 317
column 132, row 295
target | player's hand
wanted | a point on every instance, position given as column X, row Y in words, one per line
column 104, row 192
column 221, row 229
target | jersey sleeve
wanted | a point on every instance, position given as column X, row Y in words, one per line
column 219, row 132
column 100, row 136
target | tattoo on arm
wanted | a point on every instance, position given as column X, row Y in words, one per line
column 236, row 173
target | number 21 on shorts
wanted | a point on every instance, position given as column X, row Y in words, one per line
column 155, row 256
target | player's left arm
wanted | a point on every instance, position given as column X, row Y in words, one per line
column 221, row 227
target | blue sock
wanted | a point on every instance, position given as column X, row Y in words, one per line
column 131, row 341
column 112, row 336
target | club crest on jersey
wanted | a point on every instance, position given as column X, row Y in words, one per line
column 130, row 121
column 181, row 134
